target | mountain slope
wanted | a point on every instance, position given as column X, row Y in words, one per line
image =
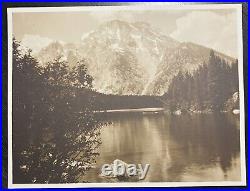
column 128, row 53
column 130, row 58
column 187, row 57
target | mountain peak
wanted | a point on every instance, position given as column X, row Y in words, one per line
column 141, row 24
column 130, row 58
column 115, row 24
column 124, row 25
column 117, row 21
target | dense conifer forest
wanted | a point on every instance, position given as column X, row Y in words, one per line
column 207, row 89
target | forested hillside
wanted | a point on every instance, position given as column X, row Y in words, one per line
column 208, row 89
column 109, row 102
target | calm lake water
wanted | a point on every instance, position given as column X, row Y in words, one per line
column 178, row 148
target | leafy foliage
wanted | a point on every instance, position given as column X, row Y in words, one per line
column 55, row 131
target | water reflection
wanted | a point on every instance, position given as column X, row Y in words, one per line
column 178, row 148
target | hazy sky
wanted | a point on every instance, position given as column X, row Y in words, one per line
column 212, row 28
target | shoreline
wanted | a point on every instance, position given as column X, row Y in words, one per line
column 162, row 110
column 149, row 110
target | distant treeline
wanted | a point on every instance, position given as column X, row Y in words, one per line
column 207, row 89
column 109, row 102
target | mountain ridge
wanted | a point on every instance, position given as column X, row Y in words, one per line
column 130, row 58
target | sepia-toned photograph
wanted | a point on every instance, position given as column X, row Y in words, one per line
column 126, row 96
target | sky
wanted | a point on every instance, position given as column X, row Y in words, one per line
column 215, row 29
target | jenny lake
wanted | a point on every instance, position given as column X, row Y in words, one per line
column 198, row 147
column 135, row 95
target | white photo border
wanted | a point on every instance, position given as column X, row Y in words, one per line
column 131, row 6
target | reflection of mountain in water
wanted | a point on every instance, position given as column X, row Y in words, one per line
column 208, row 141
column 178, row 148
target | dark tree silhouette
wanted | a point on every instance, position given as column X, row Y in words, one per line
column 208, row 88
column 55, row 131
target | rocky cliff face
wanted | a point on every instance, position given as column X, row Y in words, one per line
column 130, row 58
column 233, row 102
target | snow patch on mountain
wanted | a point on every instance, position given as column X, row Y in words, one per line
column 129, row 58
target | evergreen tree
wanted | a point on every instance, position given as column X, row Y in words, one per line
column 209, row 87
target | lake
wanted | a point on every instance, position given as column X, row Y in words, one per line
column 198, row 147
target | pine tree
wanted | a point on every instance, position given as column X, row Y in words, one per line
column 209, row 87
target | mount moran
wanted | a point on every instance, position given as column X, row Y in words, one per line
column 130, row 58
